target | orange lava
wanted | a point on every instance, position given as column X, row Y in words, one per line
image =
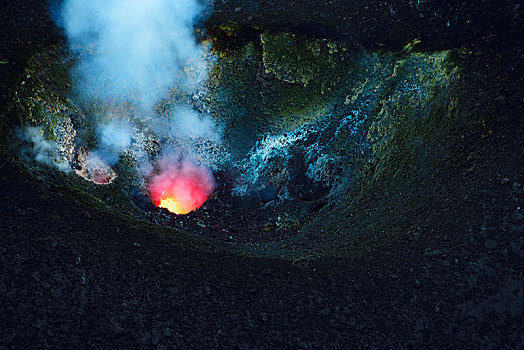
column 171, row 205
column 181, row 188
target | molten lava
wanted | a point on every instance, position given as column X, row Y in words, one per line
column 180, row 186
column 171, row 205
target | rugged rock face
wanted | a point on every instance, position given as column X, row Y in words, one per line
column 376, row 24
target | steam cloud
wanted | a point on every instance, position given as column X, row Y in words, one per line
column 114, row 137
column 42, row 150
column 142, row 47
column 131, row 53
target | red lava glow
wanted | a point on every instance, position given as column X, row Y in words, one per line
column 180, row 187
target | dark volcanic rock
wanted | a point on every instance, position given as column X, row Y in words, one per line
column 376, row 24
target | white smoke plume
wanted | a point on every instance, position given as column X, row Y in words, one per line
column 141, row 48
column 114, row 138
column 185, row 123
column 130, row 54
column 116, row 135
column 42, row 150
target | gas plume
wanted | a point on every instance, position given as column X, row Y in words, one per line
column 141, row 48
column 130, row 54
column 42, row 150
column 114, row 138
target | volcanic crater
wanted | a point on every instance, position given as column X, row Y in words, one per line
column 291, row 138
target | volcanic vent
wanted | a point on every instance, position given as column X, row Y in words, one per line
column 180, row 186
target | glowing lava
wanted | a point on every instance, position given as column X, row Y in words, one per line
column 180, row 187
